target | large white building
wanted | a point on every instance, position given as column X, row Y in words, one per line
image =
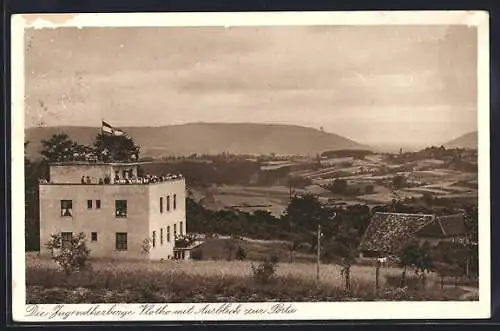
column 115, row 208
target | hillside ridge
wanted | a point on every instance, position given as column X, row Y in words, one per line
column 209, row 138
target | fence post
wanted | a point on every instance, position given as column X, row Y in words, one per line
column 377, row 275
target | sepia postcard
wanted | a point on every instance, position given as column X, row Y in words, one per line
column 250, row 166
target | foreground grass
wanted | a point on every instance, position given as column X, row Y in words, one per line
column 329, row 273
column 163, row 282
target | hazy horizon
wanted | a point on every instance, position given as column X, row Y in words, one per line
column 376, row 85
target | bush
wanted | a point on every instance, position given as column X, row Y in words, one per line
column 197, row 254
column 265, row 272
column 241, row 254
column 369, row 189
column 70, row 256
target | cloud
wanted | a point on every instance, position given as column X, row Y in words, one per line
column 319, row 76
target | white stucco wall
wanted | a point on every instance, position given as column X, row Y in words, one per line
column 102, row 221
column 161, row 220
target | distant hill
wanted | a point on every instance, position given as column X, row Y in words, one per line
column 468, row 140
column 210, row 138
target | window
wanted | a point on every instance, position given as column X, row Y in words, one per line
column 175, row 201
column 168, row 202
column 93, row 236
column 98, row 204
column 89, row 204
column 121, row 208
column 67, row 208
column 161, row 204
column 66, row 239
column 161, row 236
column 168, row 234
column 121, row 241
column 175, row 230
column 180, row 228
column 154, row 238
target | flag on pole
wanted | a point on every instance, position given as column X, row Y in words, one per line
column 118, row 132
column 109, row 129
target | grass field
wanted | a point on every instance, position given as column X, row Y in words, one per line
column 215, row 281
column 329, row 274
column 255, row 250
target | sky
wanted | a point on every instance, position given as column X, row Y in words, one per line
column 373, row 84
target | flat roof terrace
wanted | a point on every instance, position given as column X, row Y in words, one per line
column 126, row 181
column 94, row 163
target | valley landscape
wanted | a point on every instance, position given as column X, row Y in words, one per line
column 196, row 164
column 240, row 169
column 244, row 182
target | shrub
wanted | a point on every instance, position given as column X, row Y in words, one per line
column 369, row 188
column 241, row 254
column 146, row 246
column 70, row 256
column 265, row 272
column 197, row 254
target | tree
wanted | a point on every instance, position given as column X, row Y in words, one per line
column 369, row 189
column 26, row 160
column 427, row 198
column 266, row 271
column 417, row 256
column 346, row 245
column 407, row 258
column 116, row 148
column 33, row 171
column 293, row 246
column 398, row 182
column 298, row 182
column 338, row 186
column 229, row 246
column 71, row 255
column 58, row 148
column 471, row 242
column 241, row 254
column 305, row 213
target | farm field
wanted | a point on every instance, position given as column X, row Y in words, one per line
column 273, row 198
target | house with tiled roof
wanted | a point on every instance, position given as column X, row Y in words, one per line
column 449, row 228
column 388, row 233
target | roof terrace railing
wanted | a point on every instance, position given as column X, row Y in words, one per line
column 123, row 181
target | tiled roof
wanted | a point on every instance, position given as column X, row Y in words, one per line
column 431, row 230
column 445, row 226
column 452, row 225
column 389, row 232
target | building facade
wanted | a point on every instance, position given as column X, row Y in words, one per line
column 122, row 214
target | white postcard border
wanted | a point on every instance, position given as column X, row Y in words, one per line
column 301, row 311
